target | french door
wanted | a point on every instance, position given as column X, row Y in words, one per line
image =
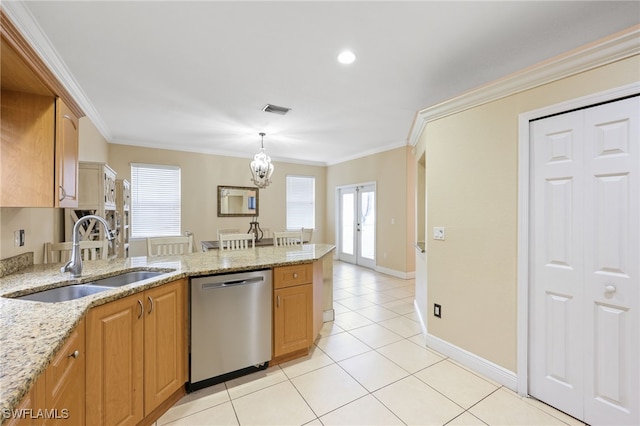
column 585, row 263
column 357, row 224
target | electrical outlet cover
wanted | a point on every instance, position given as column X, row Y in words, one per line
column 438, row 232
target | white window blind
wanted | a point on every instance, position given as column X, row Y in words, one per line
column 301, row 196
column 155, row 200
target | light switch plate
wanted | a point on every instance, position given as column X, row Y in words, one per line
column 438, row 232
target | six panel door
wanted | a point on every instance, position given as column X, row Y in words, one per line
column 585, row 263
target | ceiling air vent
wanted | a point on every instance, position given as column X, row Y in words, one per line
column 275, row 109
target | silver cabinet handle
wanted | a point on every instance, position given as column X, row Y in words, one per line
column 150, row 304
column 278, row 301
column 295, row 275
column 64, row 193
column 141, row 308
column 74, row 354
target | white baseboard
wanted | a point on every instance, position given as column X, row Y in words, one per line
column 472, row 361
column 394, row 273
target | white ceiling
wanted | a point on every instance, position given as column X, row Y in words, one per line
column 194, row 75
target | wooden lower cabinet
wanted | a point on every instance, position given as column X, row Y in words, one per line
column 58, row 395
column 115, row 350
column 165, row 346
column 65, row 381
column 292, row 311
column 136, row 351
column 292, row 321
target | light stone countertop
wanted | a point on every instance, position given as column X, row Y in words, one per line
column 31, row 332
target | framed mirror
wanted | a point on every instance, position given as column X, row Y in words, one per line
column 235, row 201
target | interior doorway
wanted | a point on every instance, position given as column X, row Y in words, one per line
column 357, row 224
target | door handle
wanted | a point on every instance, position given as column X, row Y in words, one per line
column 609, row 288
column 150, row 304
column 141, row 308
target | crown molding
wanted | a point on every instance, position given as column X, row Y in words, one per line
column 208, row 151
column 616, row 47
column 367, row 153
column 24, row 21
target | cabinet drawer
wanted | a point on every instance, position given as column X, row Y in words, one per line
column 287, row 276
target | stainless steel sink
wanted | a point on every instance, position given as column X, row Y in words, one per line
column 125, row 278
column 71, row 292
column 64, row 294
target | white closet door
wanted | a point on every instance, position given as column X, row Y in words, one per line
column 556, row 321
column 612, row 262
column 585, row 265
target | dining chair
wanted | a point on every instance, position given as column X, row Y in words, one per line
column 307, row 234
column 161, row 246
column 237, row 241
column 227, row 231
column 89, row 250
column 287, row 238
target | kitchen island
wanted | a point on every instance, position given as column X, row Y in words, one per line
column 31, row 333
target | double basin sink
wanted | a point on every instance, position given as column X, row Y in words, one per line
column 71, row 292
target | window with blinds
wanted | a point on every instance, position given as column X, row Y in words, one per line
column 301, row 196
column 155, row 200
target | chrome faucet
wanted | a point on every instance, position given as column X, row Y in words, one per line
column 75, row 264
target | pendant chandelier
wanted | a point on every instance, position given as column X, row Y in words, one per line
column 261, row 167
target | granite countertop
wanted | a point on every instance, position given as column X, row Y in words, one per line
column 31, row 332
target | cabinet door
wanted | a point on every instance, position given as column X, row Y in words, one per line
column 27, row 129
column 58, row 395
column 33, row 401
column 66, row 178
column 292, row 322
column 115, row 362
column 65, row 381
column 165, row 344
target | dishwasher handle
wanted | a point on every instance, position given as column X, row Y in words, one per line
column 211, row 286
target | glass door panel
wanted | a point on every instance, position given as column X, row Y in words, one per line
column 357, row 224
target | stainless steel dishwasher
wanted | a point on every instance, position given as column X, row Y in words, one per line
column 230, row 326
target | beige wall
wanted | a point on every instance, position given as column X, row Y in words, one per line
column 93, row 146
column 472, row 190
column 43, row 224
column 202, row 173
column 389, row 170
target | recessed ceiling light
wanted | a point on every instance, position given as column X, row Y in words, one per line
column 346, row 57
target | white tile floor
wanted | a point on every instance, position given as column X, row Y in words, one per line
column 369, row 367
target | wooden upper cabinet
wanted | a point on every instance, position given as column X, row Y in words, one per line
column 27, row 153
column 39, row 152
column 66, row 174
